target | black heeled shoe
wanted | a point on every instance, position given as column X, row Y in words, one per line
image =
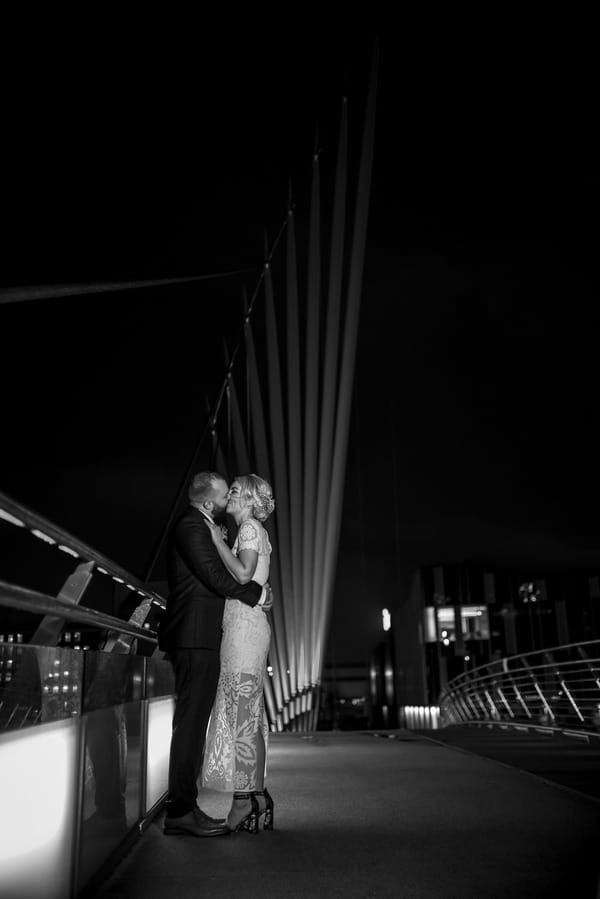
column 269, row 809
column 250, row 821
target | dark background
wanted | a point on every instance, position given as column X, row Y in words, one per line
column 138, row 150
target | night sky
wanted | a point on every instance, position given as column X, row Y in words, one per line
column 474, row 423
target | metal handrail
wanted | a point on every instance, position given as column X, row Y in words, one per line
column 67, row 605
column 507, row 660
column 27, row 600
column 19, row 515
column 556, row 687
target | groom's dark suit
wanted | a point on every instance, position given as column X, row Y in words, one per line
column 190, row 632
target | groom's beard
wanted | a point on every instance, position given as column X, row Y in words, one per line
column 219, row 514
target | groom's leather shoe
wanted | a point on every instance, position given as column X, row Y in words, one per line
column 207, row 818
column 195, row 823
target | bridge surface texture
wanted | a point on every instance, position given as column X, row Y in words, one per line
column 397, row 814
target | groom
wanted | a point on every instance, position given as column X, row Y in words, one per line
column 190, row 632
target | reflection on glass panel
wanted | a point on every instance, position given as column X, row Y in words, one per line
column 38, row 785
column 38, row 684
column 160, row 680
column 111, row 679
column 111, row 788
column 160, row 719
column 49, row 683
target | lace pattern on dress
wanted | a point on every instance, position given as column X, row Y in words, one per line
column 248, row 536
column 231, row 761
column 253, row 535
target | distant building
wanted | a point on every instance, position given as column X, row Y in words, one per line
column 455, row 617
column 345, row 702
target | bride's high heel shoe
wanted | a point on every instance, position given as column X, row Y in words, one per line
column 269, row 809
column 250, row 821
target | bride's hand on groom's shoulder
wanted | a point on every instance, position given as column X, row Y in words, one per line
column 216, row 532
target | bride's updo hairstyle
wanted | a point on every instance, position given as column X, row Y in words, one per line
column 258, row 495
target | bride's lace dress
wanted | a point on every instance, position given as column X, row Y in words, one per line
column 238, row 714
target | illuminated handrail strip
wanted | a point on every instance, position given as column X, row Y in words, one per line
column 27, row 600
column 20, row 515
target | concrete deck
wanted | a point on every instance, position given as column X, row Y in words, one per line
column 358, row 815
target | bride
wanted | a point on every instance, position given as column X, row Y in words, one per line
column 235, row 754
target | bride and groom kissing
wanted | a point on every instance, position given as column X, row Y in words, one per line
column 216, row 634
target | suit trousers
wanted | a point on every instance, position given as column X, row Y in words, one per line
column 196, row 677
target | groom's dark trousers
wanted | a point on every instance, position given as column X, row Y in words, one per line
column 190, row 633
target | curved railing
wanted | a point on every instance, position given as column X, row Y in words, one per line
column 88, row 562
column 25, row 600
column 556, row 688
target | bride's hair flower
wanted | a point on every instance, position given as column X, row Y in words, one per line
column 258, row 493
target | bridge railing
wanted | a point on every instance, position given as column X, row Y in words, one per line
column 557, row 687
column 84, row 732
column 88, row 564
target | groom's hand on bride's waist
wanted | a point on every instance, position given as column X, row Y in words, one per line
column 266, row 600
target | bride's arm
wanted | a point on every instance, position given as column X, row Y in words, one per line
column 240, row 567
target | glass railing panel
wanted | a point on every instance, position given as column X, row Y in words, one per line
column 111, row 782
column 39, row 785
column 160, row 718
column 50, row 683
column 116, row 738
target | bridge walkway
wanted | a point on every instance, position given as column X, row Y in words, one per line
column 396, row 814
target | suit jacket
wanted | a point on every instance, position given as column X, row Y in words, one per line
column 198, row 585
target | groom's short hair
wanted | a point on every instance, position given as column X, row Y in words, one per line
column 203, row 485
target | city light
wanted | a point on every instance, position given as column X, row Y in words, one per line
column 387, row 619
